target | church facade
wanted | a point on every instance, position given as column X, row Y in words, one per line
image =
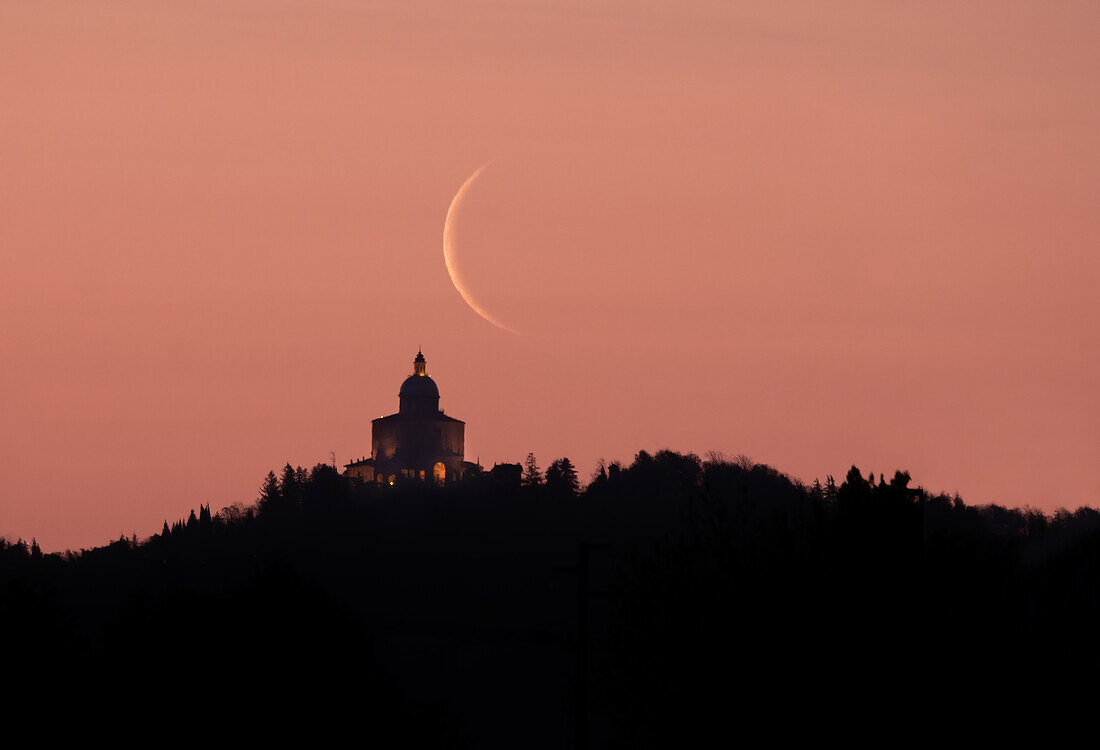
column 419, row 442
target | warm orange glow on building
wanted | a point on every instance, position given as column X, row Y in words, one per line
column 417, row 442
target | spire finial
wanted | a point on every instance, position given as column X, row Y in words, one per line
column 420, row 366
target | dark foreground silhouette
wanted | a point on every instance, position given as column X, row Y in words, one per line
column 672, row 603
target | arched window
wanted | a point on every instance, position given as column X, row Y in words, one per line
column 393, row 478
column 439, row 472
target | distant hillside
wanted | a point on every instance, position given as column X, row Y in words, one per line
column 450, row 616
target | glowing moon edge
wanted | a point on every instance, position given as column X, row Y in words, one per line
column 449, row 252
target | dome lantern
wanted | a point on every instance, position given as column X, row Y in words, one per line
column 419, row 394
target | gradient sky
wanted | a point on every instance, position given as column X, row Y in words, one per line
column 814, row 233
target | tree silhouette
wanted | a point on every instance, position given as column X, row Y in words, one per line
column 561, row 478
column 723, row 584
column 292, row 485
column 532, row 477
column 598, row 485
column 270, row 494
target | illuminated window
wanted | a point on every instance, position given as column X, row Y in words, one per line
column 439, row 472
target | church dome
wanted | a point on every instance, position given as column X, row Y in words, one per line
column 419, row 394
column 419, row 386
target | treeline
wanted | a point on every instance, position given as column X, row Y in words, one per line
column 717, row 592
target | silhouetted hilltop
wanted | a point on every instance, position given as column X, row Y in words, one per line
column 719, row 593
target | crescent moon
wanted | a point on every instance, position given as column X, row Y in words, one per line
column 449, row 252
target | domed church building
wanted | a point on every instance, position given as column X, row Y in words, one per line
column 418, row 442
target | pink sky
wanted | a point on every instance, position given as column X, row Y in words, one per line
column 814, row 233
